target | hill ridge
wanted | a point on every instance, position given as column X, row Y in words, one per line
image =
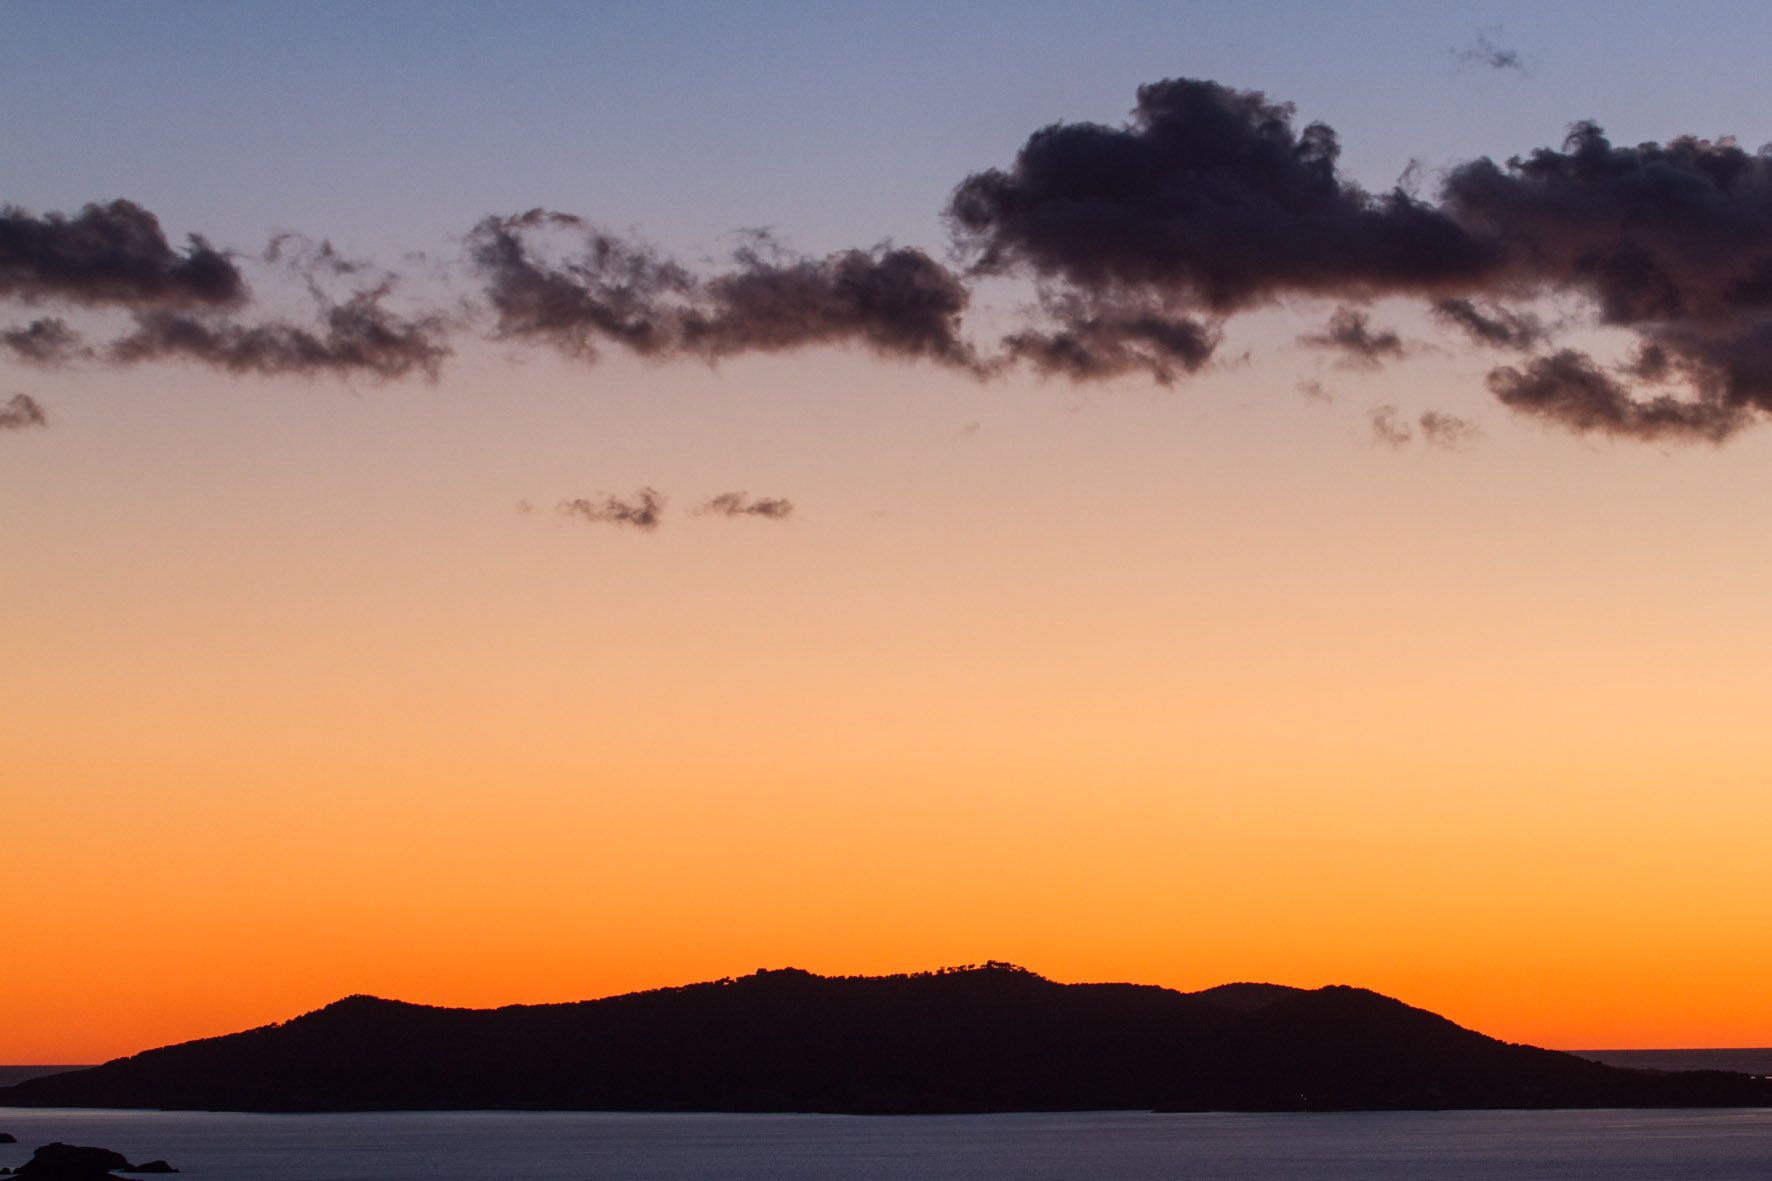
column 990, row 1037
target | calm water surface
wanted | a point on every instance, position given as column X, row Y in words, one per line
column 1516, row 1146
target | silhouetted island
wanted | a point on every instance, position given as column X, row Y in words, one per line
column 72, row 1162
column 988, row 1038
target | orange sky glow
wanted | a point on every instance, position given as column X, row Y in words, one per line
column 1268, row 532
column 1298, row 711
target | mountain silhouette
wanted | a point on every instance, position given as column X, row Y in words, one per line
column 987, row 1038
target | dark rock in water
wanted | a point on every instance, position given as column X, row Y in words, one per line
column 8, row 1138
column 72, row 1162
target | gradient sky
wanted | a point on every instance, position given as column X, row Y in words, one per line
column 1178, row 685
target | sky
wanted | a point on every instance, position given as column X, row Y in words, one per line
column 621, row 495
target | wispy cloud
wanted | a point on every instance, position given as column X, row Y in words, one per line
column 46, row 342
column 1487, row 53
column 742, row 504
column 1388, row 427
column 643, row 510
column 1350, row 334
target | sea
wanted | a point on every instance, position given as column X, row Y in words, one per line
column 1659, row 1145
column 1733, row 1145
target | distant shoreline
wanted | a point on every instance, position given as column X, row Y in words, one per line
column 1745, row 1060
column 18, row 1074
column 1755, row 1060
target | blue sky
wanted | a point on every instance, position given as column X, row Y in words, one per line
column 402, row 123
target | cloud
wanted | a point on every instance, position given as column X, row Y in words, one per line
column 1493, row 326
column 1212, row 201
column 1350, row 333
column 1388, row 427
column 110, row 254
column 607, row 290
column 47, row 342
column 1140, row 241
column 1208, row 198
column 740, row 504
column 358, row 337
column 302, row 254
column 1567, row 388
column 1487, row 53
column 641, row 511
column 896, row 301
column 1439, row 429
column 1092, row 346
column 22, row 412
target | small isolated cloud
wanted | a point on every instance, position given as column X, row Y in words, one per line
column 47, row 342
column 1448, row 431
column 1315, row 391
column 525, row 507
column 22, row 412
column 642, row 510
column 1488, row 54
column 1388, row 427
column 1350, row 334
column 741, row 504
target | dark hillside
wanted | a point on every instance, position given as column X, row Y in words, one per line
column 995, row 1038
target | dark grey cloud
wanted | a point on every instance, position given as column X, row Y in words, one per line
column 896, row 301
column 22, row 412
column 1669, row 242
column 46, row 342
column 110, row 254
column 609, row 290
column 1493, row 325
column 742, row 504
column 1211, row 201
column 1140, row 241
column 1569, row 389
column 1208, row 198
column 1084, row 340
column 1350, row 334
column 358, row 337
column 643, row 510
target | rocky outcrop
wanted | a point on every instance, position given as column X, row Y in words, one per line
column 73, row 1162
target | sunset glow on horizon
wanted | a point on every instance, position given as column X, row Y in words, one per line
column 315, row 683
